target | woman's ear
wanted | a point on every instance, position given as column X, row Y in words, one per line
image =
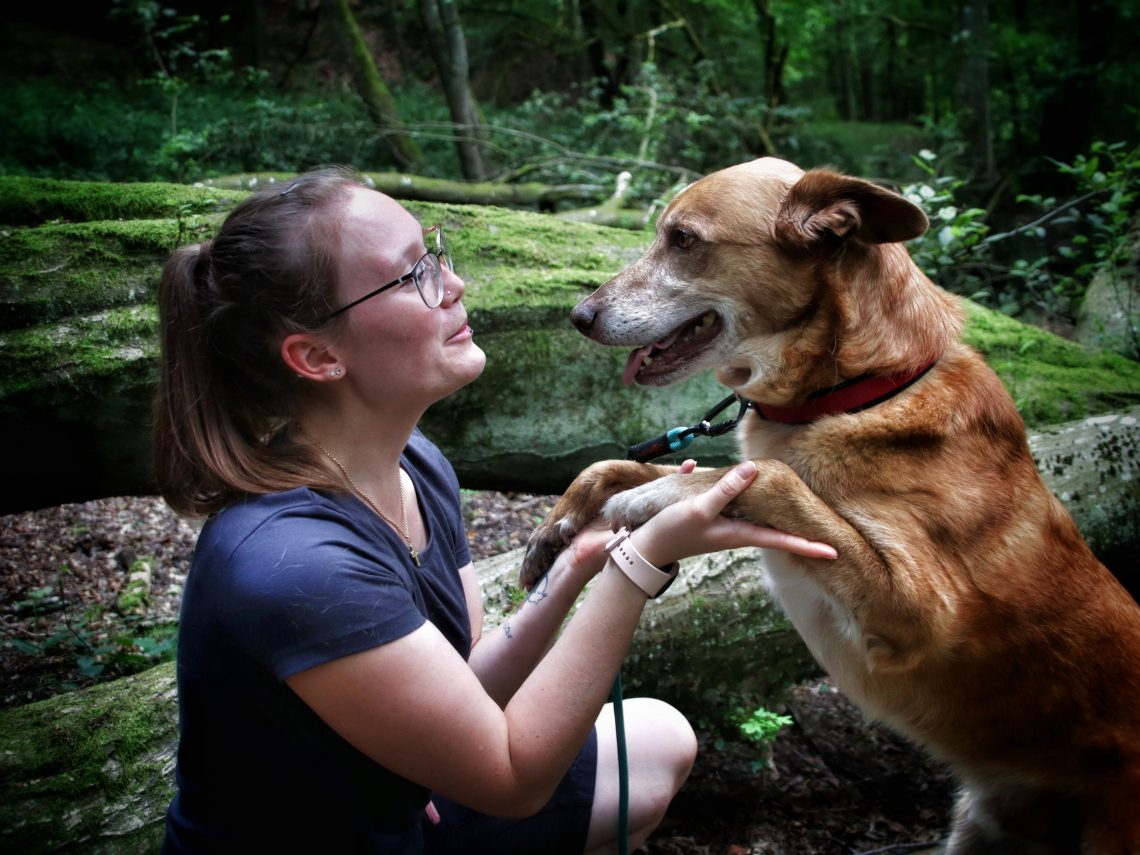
column 309, row 358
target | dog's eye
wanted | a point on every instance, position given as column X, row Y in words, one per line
column 683, row 239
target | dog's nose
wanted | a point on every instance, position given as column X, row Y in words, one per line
column 582, row 316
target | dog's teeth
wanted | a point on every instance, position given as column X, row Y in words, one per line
column 647, row 361
column 707, row 319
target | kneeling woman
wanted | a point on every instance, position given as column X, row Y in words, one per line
column 337, row 692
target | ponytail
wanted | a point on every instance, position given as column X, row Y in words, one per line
column 224, row 305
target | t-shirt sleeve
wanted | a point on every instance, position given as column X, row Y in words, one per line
column 444, row 486
column 308, row 588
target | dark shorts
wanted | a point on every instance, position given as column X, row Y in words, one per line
column 558, row 829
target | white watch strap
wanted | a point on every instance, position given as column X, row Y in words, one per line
column 650, row 579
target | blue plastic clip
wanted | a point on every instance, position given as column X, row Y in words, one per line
column 679, row 437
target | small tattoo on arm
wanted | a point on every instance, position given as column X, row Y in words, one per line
column 538, row 593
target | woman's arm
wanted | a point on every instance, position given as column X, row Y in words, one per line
column 504, row 656
column 416, row 707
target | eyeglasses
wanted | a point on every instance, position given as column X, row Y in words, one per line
column 427, row 274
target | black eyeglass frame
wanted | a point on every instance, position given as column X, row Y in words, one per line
column 441, row 256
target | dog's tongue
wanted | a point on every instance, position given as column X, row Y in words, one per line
column 634, row 363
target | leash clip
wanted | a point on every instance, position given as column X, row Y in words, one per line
column 681, row 437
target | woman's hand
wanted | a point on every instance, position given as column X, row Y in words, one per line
column 695, row 526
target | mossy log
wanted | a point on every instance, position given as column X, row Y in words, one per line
column 532, row 195
column 79, row 264
column 92, row 770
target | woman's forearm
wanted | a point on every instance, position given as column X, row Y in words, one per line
column 504, row 656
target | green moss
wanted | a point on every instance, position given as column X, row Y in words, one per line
column 32, row 201
column 95, row 745
column 80, row 349
column 1050, row 378
column 54, row 271
column 698, row 668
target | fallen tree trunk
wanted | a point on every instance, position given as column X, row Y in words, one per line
column 78, row 334
column 420, row 188
column 92, row 770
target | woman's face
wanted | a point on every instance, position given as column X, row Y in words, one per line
column 396, row 350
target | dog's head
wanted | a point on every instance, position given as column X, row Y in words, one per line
column 785, row 281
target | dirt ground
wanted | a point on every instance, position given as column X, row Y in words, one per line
column 833, row 785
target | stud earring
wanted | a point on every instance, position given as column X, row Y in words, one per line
column 336, row 372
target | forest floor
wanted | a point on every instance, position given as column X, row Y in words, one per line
column 832, row 785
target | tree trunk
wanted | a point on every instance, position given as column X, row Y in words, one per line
column 402, row 185
column 974, row 89
column 370, row 85
column 92, row 771
column 775, row 60
column 449, row 50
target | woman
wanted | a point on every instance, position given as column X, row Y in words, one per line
column 337, row 692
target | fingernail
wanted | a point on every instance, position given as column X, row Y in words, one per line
column 746, row 469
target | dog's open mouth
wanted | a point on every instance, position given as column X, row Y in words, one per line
column 654, row 363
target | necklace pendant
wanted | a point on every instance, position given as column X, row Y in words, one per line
column 415, row 556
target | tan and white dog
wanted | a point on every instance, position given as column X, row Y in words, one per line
column 964, row 609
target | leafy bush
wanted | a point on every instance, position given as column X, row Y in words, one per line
column 1046, row 274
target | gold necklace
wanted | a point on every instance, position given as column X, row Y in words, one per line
column 415, row 556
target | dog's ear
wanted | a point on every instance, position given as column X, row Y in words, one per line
column 825, row 208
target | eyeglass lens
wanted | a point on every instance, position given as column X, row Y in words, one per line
column 428, row 276
column 429, row 280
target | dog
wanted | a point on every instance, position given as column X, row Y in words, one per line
column 964, row 609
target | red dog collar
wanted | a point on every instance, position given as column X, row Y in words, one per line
column 849, row 397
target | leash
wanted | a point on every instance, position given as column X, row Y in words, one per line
column 851, row 396
column 681, row 437
column 666, row 443
column 623, row 769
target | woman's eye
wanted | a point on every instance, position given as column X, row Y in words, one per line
column 683, row 239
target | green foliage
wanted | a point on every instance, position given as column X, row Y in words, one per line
column 1100, row 242
column 761, row 726
column 1045, row 274
column 55, row 630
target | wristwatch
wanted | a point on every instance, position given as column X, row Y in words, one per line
column 652, row 580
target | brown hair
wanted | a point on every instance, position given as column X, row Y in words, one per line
column 224, row 306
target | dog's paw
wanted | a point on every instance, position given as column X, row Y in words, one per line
column 545, row 542
column 636, row 506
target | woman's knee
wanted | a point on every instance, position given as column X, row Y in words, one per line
column 660, row 748
column 660, row 745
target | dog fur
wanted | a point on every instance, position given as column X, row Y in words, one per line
column 964, row 609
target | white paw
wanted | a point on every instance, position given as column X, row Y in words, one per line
column 633, row 507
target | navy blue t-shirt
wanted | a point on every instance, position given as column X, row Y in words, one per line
column 281, row 583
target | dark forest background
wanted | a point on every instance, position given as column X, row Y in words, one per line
column 1015, row 123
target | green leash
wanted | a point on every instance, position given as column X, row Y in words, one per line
column 623, row 770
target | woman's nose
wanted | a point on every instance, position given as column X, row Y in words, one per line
column 453, row 285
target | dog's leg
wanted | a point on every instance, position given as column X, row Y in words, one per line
column 578, row 507
column 1020, row 822
column 894, row 620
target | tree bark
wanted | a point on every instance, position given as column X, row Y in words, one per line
column 92, row 770
column 449, row 50
column 370, row 85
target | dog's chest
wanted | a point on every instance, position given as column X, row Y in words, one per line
column 830, row 630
